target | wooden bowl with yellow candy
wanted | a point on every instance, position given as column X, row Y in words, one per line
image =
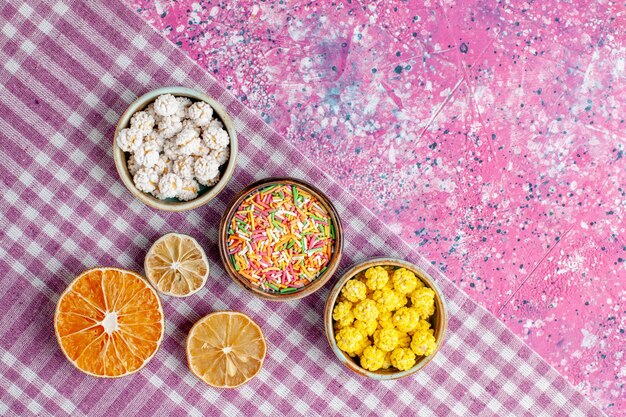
column 385, row 318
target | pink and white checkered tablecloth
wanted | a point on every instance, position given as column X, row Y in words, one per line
column 69, row 69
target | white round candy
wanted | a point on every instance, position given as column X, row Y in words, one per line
column 170, row 126
column 189, row 190
column 184, row 167
column 147, row 154
column 214, row 135
column 133, row 166
column 222, row 155
column 200, row 112
column 166, row 105
column 206, row 169
column 163, row 166
column 187, row 141
column 146, row 180
column 129, row 139
column 183, row 105
column 143, row 122
column 170, row 185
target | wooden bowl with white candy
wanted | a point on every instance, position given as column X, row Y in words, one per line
column 175, row 148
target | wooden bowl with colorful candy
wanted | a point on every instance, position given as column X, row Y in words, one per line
column 385, row 318
column 281, row 239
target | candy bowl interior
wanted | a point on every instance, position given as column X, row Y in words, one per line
column 259, row 288
column 438, row 322
column 205, row 194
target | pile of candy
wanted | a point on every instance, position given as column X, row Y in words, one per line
column 175, row 145
column 281, row 238
column 382, row 317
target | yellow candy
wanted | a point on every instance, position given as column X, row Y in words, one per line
column 423, row 343
column 346, row 321
column 368, row 327
column 372, row 307
column 350, row 339
column 404, row 281
column 406, row 319
column 422, row 327
column 366, row 342
column 354, row 291
column 341, row 298
column 386, row 299
column 373, row 358
column 404, row 340
column 342, row 310
column 385, row 320
column 386, row 339
column 376, row 278
column 403, row 358
column 387, row 362
column 366, row 310
column 420, row 284
column 402, row 300
column 423, row 301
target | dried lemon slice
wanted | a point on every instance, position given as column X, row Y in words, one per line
column 226, row 349
column 177, row 265
column 109, row 322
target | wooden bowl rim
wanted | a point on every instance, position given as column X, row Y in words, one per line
column 440, row 332
column 119, row 156
column 242, row 281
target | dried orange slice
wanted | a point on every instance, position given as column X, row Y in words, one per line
column 109, row 322
column 226, row 349
column 177, row 265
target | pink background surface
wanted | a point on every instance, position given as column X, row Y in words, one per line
column 490, row 135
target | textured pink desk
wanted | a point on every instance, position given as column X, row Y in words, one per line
column 491, row 136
